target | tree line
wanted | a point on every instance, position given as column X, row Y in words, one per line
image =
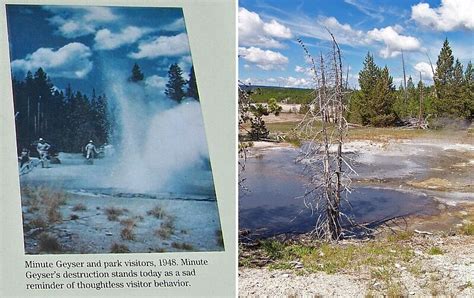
column 379, row 103
column 66, row 119
column 69, row 119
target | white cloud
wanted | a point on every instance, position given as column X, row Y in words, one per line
column 70, row 61
column 177, row 25
column 393, row 41
column 253, row 31
column 306, row 70
column 425, row 69
column 185, row 63
column 288, row 82
column 343, row 33
column 277, row 30
column 390, row 37
column 80, row 21
column 300, row 69
column 106, row 40
column 365, row 8
column 71, row 28
column 99, row 14
column 450, row 15
column 162, row 46
column 156, row 81
column 263, row 59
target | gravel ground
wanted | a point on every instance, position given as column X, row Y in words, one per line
column 448, row 274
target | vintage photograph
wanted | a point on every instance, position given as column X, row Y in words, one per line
column 356, row 148
column 112, row 150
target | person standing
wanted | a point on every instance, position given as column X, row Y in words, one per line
column 42, row 147
column 24, row 158
column 90, row 149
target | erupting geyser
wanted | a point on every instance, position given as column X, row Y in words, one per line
column 160, row 145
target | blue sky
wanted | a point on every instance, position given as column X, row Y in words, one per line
column 86, row 45
column 270, row 55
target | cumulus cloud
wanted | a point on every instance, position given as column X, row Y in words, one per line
column 176, row 45
column 288, row 82
column 394, row 42
column 263, row 59
column 450, row 15
column 185, row 63
column 253, row 31
column 107, row 40
column 80, row 21
column 70, row 61
column 156, row 81
column 425, row 69
column 177, row 25
column 306, row 70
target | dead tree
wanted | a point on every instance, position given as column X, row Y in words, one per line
column 420, row 112
column 323, row 156
column 244, row 117
column 405, row 91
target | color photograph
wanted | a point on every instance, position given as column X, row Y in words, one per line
column 356, row 148
column 112, row 150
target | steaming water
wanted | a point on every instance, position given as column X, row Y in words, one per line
column 273, row 203
column 161, row 146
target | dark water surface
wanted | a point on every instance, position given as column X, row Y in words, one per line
column 273, row 203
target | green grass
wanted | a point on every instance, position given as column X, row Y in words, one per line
column 467, row 229
column 331, row 258
column 378, row 258
column 291, row 95
column 282, row 127
column 435, row 251
column 361, row 133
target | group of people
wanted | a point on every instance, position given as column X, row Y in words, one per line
column 43, row 147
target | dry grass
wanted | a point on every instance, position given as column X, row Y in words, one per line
column 157, row 212
column 79, row 207
column 119, row 248
column 129, row 222
column 166, row 228
column 467, row 229
column 47, row 202
column 127, row 233
column 38, row 222
column 113, row 213
column 182, row 246
column 48, row 243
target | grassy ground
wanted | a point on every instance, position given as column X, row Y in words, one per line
column 385, row 262
column 374, row 133
column 290, row 95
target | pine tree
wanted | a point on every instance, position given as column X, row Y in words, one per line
column 444, row 78
column 192, row 85
column 361, row 110
column 137, row 74
column 381, row 104
column 174, row 87
column 468, row 92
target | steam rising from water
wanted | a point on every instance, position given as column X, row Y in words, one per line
column 160, row 145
